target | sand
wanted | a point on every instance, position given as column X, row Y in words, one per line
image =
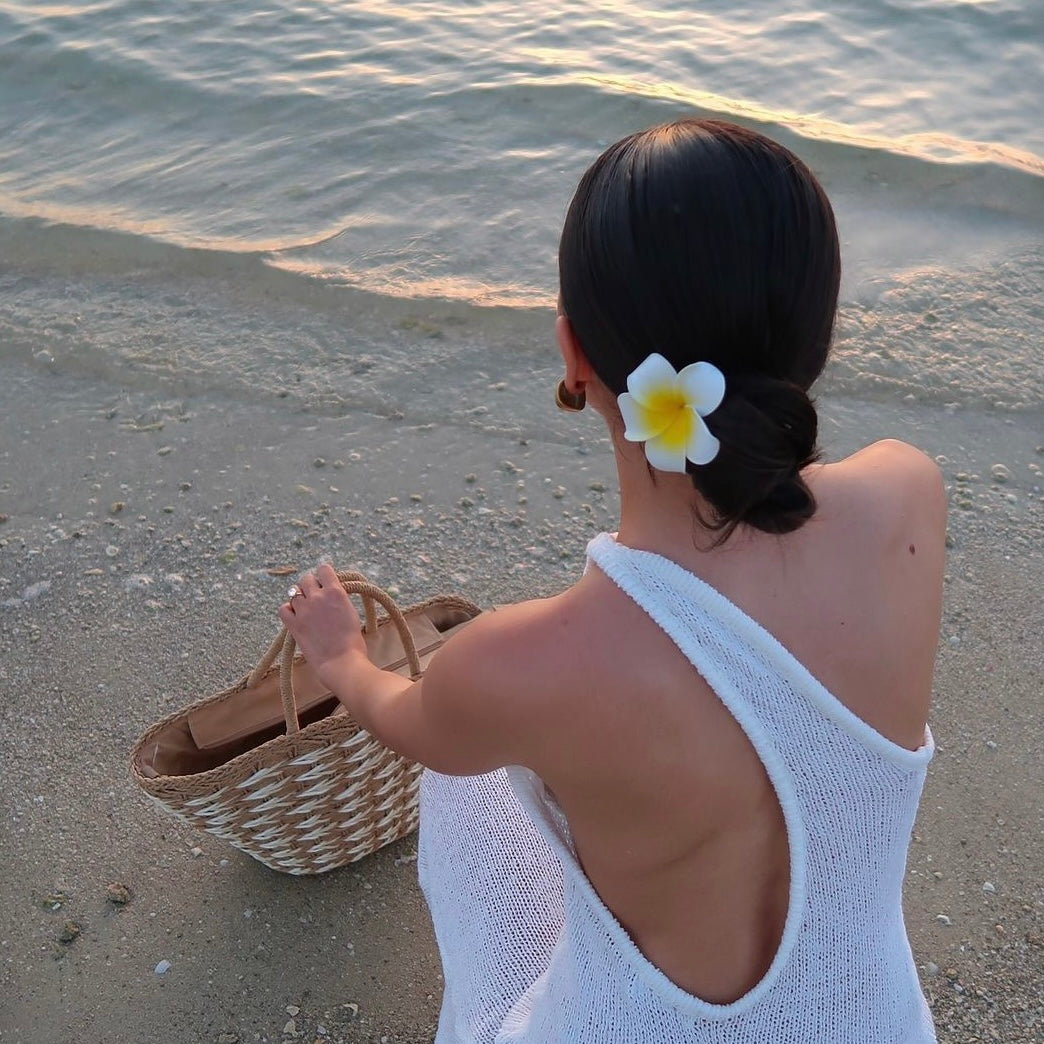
column 135, row 554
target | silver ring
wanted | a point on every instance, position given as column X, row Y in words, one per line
column 293, row 592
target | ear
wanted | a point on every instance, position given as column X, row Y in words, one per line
column 578, row 371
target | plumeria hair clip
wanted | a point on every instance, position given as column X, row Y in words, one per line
column 664, row 408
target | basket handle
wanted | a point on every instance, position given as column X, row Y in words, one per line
column 273, row 651
column 353, row 583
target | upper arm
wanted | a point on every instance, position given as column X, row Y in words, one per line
column 897, row 503
column 900, row 508
column 911, row 514
column 467, row 715
column 901, row 514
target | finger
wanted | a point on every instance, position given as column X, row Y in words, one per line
column 286, row 614
column 308, row 584
column 326, row 575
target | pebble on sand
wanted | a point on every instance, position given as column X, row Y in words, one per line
column 69, row 931
column 118, row 893
column 163, row 967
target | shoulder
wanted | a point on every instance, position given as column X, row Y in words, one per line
column 495, row 682
column 499, row 641
column 898, row 475
column 884, row 515
column 888, row 491
column 887, row 505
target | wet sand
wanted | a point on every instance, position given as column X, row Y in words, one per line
column 136, row 550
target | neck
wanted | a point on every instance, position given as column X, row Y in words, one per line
column 659, row 512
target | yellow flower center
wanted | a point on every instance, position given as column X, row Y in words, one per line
column 666, row 411
column 679, row 421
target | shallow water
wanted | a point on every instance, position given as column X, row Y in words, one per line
column 348, row 202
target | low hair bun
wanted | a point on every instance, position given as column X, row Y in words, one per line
column 768, row 429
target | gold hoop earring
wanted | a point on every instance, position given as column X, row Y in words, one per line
column 570, row 402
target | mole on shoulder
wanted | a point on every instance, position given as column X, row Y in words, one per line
column 913, row 550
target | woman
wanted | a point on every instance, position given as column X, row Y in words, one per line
column 673, row 803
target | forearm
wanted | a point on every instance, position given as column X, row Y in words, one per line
column 363, row 688
column 442, row 721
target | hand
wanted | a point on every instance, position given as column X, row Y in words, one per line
column 324, row 623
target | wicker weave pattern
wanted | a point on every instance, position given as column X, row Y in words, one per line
column 311, row 800
column 328, row 806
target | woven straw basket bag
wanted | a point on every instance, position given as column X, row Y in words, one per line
column 278, row 768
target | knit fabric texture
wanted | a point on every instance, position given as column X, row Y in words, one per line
column 530, row 953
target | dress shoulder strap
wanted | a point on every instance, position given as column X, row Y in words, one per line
column 723, row 643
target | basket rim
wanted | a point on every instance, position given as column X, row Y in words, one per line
column 311, row 737
column 272, row 753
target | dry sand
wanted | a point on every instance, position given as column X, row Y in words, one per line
column 134, row 553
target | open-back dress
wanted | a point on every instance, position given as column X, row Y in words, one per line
column 531, row 954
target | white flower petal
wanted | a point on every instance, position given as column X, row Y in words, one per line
column 665, row 455
column 702, row 446
column 704, row 387
column 653, row 376
column 636, row 419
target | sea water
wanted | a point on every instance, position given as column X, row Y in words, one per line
column 357, row 204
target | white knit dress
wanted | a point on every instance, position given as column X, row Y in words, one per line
column 530, row 953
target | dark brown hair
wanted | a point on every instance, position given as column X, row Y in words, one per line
column 699, row 239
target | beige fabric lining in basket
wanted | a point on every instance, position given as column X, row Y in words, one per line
column 278, row 768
